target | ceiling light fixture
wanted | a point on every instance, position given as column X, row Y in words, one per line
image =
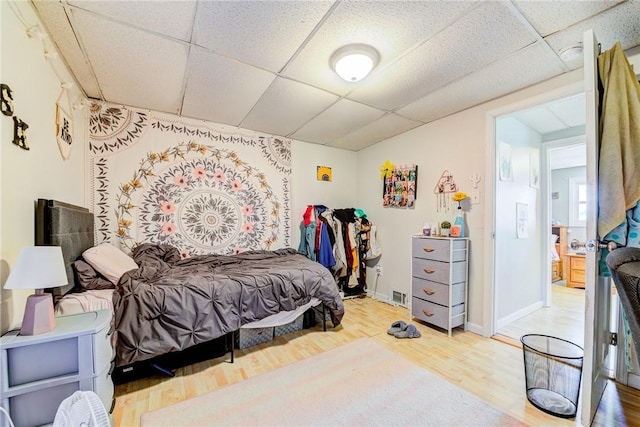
column 571, row 53
column 354, row 62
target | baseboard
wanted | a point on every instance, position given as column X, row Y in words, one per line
column 475, row 328
column 501, row 323
column 633, row 380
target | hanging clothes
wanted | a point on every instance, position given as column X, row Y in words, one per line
column 619, row 164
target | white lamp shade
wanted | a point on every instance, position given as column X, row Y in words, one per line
column 354, row 62
column 38, row 267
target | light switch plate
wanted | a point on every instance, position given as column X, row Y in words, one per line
column 475, row 197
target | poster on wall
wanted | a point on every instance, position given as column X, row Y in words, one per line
column 522, row 220
column 401, row 187
column 506, row 168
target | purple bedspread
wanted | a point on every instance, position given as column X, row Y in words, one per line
column 169, row 304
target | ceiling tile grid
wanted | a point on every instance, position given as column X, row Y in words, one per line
column 170, row 18
column 58, row 25
column 286, row 106
column 265, row 65
column 125, row 70
column 221, row 88
column 261, row 33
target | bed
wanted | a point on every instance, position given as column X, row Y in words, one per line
column 166, row 304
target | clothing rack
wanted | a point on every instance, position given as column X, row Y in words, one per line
column 339, row 239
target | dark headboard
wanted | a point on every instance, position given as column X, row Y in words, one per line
column 65, row 225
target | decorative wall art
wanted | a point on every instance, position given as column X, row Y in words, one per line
column 324, row 173
column 19, row 127
column 6, row 100
column 400, row 185
column 163, row 179
column 504, row 162
column 444, row 186
column 534, row 168
column 64, row 125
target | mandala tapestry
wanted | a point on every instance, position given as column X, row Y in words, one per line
column 213, row 193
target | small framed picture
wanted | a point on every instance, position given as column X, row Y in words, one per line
column 324, row 173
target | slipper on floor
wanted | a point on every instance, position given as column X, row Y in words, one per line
column 397, row 326
column 409, row 332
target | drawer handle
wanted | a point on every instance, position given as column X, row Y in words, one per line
column 427, row 312
column 428, row 291
column 428, row 249
column 429, row 270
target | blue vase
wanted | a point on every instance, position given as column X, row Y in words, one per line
column 459, row 220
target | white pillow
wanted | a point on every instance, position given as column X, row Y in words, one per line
column 110, row 261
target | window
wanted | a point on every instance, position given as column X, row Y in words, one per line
column 578, row 201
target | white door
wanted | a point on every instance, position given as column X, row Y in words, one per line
column 597, row 289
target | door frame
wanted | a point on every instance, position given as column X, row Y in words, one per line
column 489, row 296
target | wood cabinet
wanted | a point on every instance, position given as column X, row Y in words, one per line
column 562, row 247
column 576, row 266
column 439, row 270
column 40, row 371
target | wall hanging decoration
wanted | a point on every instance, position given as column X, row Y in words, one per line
column 6, row 100
column 400, row 185
column 20, row 133
column 324, row 173
column 64, row 124
column 444, row 186
column 506, row 168
column 161, row 178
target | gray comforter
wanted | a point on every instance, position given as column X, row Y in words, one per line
column 169, row 304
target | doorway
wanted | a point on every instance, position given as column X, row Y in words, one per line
column 543, row 149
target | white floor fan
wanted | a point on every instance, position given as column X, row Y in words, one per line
column 82, row 409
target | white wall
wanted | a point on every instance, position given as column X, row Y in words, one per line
column 307, row 190
column 40, row 172
column 457, row 143
column 518, row 266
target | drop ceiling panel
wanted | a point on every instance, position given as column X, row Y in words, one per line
column 57, row 25
column 625, row 18
column 222, row 90
column 385, row 127
column 370, row 23
column 453, row 53
column 542, row 120
column 571, row 111
column 341, row 118
column 171, row 18
column 286, row 106
column 262, row 33
column 133, row 67
column 528, row 66
column 550, row 16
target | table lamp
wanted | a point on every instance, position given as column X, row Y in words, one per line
column 38, row 267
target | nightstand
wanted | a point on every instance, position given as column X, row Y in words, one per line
column 40, row 371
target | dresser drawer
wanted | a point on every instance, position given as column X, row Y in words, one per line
column 439, row 249
column 438, row 271
column 436, row 314
column 437, row 292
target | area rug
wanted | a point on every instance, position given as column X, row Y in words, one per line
column 358, row 384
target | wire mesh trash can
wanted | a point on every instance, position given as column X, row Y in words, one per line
column 552, row 368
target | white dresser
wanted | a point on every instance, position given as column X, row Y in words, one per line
column 40, row 371
column 439, row 275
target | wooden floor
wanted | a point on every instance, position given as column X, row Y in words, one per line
column 564, row 319
column 491, row 370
